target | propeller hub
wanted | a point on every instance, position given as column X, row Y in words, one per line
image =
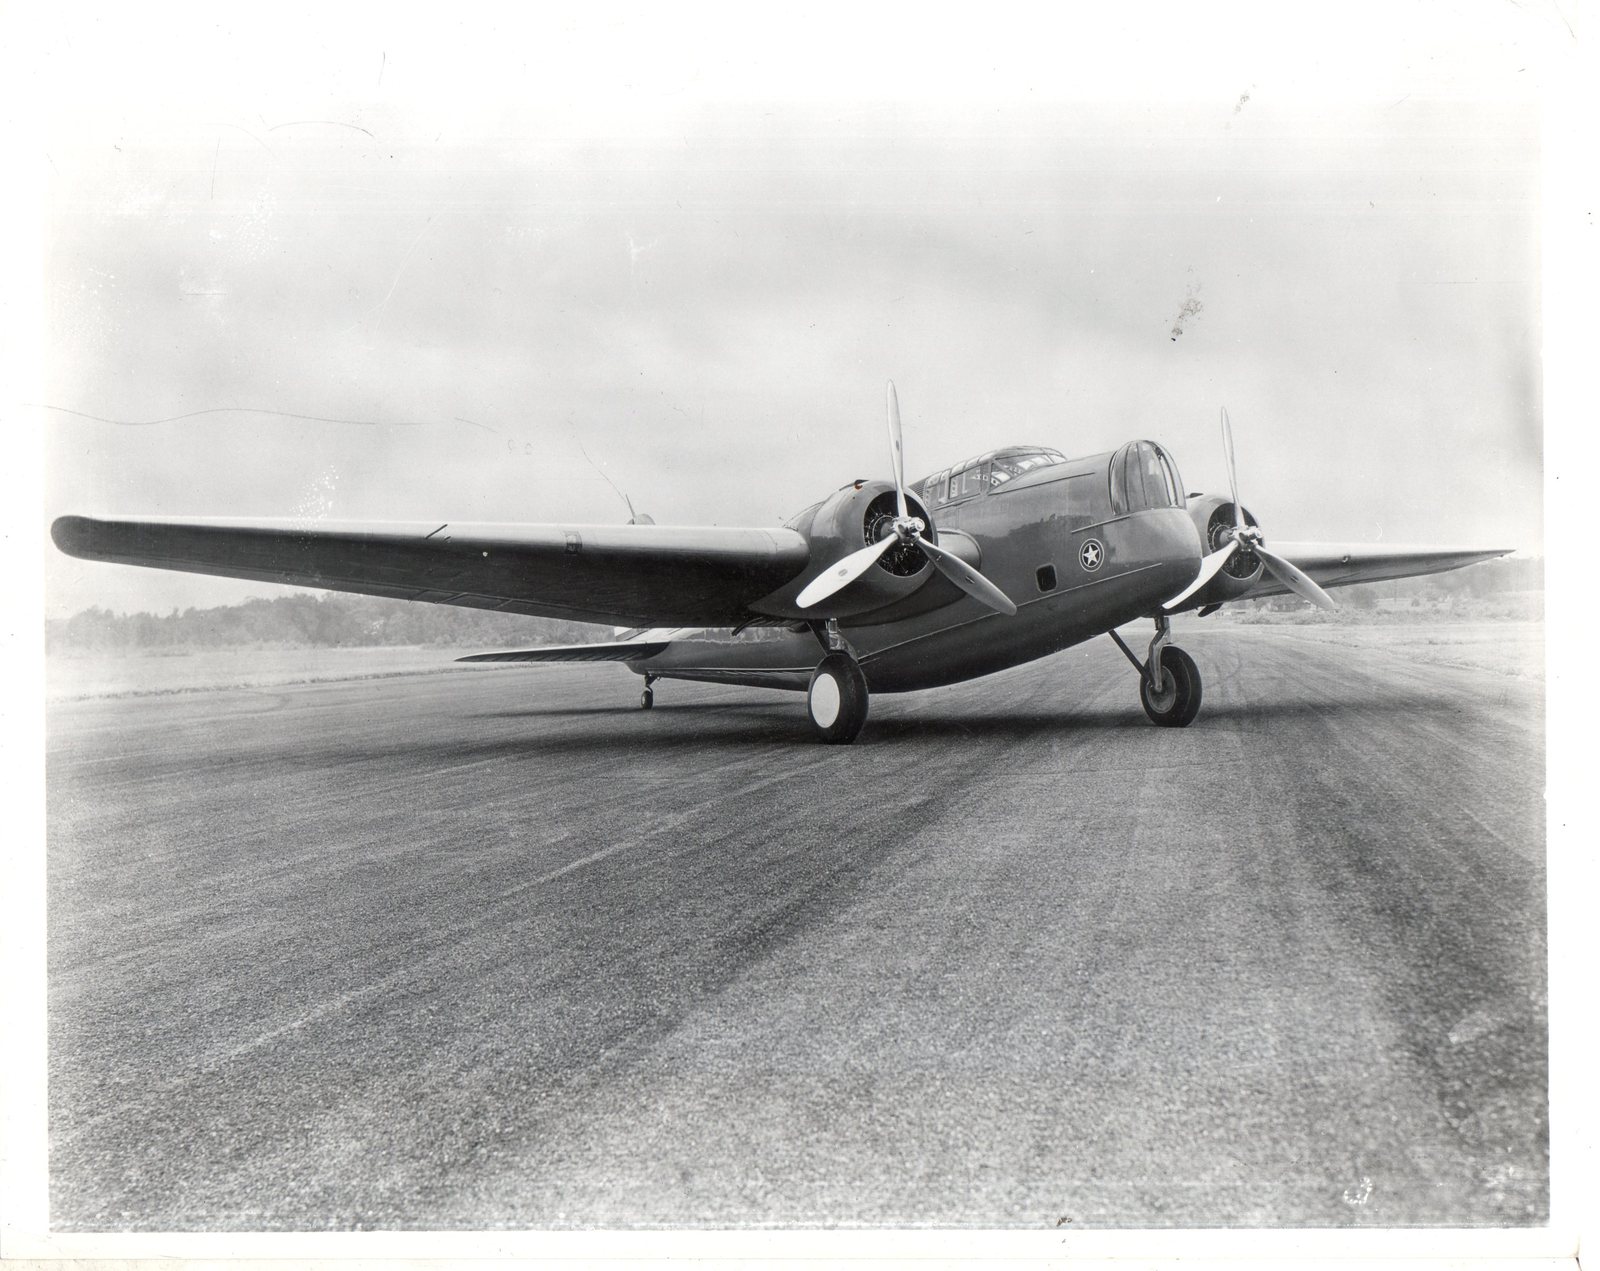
column 1249, row 536
column 895, row 540
column 1240, row 548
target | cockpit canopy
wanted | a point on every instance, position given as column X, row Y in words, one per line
column 986, row 472
column 1144, row 476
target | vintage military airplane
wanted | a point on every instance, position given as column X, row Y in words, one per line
column 1031, row 552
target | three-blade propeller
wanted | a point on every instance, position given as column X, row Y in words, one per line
column 1247, row 538
column 906, row 529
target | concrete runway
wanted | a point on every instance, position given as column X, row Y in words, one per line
column 495, row 948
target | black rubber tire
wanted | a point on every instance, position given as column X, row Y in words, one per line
column 836, row 700
column 647, row 699
column 1180, row 703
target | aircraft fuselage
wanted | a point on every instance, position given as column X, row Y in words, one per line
column 1052, row 539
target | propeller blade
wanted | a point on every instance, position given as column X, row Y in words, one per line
column 1293, row 579
column 845, row 572
column 897, row 451
column 1208, row 570
column 1233, row 471
column 966, row 577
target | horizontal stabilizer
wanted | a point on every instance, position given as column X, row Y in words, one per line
column 609, row 651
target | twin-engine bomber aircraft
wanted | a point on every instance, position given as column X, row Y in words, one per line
column 1031, row 552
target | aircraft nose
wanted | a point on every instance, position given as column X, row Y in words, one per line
column 1172, row 546
column 1187, row 535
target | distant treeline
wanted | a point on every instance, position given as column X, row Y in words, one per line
column 309, row 621
column 1506, row 576
column 331, row 621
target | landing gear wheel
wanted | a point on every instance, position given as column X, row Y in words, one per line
column 647, row 699
column 837, row 699
column 1177, row 701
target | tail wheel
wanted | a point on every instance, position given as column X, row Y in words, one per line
column 1176, row 702
column 647, row 699
column 837, row 699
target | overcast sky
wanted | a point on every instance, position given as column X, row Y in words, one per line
column 520, row 256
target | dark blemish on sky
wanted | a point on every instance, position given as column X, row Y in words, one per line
column 1191, row 308
column 1239, row 105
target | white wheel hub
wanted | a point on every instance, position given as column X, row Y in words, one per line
column 825, row 700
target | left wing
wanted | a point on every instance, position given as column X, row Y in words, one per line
column 1340, row 564
column 625, row 575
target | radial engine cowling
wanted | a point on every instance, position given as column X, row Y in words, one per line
column 844, row 522
column 1214, row 518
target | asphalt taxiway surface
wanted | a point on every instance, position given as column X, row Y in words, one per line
column 495, row 948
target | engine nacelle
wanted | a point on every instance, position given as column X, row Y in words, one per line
column 1214, row 518
column 845, row 522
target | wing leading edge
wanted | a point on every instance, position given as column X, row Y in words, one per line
column 625, row 575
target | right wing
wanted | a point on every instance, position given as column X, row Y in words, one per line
column 625, row 575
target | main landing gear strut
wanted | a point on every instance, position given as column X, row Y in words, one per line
column 837, row 697
column 1169, row 681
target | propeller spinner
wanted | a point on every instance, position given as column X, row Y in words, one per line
column 1247, row 539
column 904, row 529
